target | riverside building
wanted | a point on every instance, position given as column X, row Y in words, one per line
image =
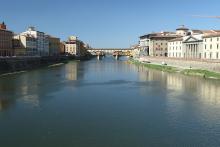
column 5, row 41
column 54, row 46
column 42, row 40
column 156, row 44
column 28, row 43
column 211, row 45
column 187, row 46
column 74, row 46
column 196, row 44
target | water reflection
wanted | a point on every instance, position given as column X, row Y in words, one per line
column 5, row 103
column 111, row 103
column 205, row 90
column 30, row 87
column 72, row 71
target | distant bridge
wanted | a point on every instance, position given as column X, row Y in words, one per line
column 109, row 50
column 116, row 52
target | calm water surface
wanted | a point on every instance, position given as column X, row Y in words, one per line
column 108, row 103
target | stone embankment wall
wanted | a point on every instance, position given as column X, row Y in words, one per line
column 211, row 65
column 13, row 64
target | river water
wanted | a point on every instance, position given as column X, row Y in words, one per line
column 108, row 103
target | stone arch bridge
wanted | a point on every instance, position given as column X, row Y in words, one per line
column 111, row 51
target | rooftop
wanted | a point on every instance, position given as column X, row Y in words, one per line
column 176, row 39
column 182, row 28
column 217, row 34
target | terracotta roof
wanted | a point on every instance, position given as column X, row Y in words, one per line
column 205, row 31
column 212, row 35
column 176, row 39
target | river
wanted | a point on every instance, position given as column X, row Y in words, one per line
column 108, row 103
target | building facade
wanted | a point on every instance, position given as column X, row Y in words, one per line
column 196, row 44
column 211, row 46
column 54, row 46
column 175, row 48
column 192, row 46
column 72, row 46
column 5, row 41
column 156, row 44
column 29, row 43
column 62, row 48
column 144, row 45
column 19, row 50
column 42, row 40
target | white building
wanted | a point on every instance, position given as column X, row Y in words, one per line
column 175, row 48
column 192, row 46
column 196, row 44
column 182, row 31
column 72, row 46
column 42, row 40
column 28, row 43
column 144, row 44
column 211, row 46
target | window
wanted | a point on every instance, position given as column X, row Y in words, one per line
column 205, row 47
column 204, row 55
column 217, row 39
column 217, row 55
column 210, row 46
column 210, row 55
column 217, row 46
column 210, row 39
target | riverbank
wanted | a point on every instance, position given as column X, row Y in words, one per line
column 177, row 69
column 13, row 65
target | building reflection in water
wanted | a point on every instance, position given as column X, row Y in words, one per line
column 206, row 90
column 5, row 103
column 33, row 86
column 71, row 71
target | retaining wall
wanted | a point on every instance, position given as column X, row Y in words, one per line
column 212, row 65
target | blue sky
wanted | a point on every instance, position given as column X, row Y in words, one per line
column 107, row 23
